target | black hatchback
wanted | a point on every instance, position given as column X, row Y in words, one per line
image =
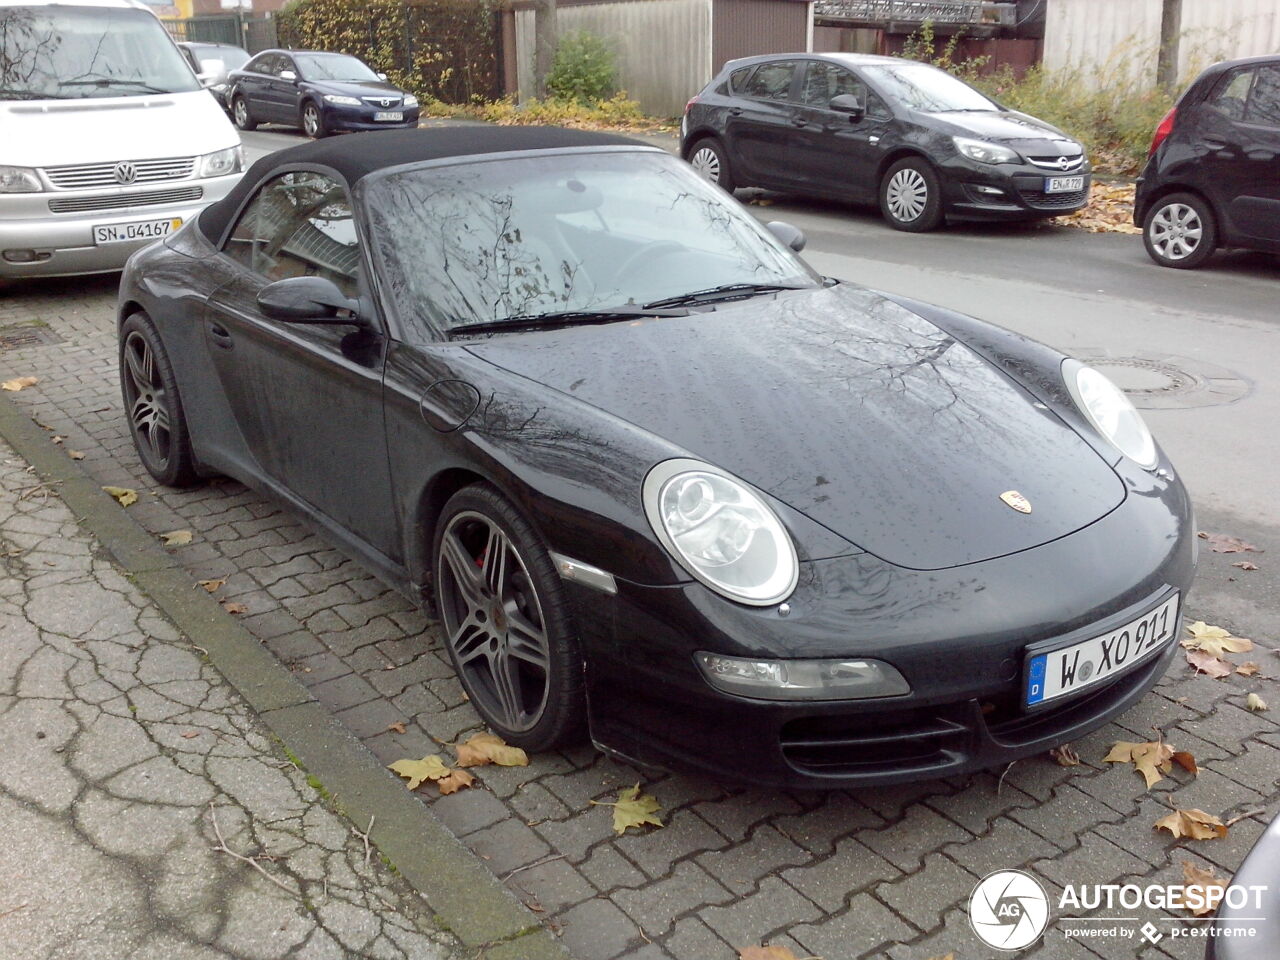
column 1213, row 175
column 921, row 143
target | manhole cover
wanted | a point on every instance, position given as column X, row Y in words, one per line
column 1164, row 381
column 30, row 335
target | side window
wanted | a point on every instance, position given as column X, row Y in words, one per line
column 1264, row 105
column 771, row 81
column 823, row 81
column 299, row 225
column 261, row 64
column 877, row 109
column 283, row 64
column 1231, row 94
column 738, row 79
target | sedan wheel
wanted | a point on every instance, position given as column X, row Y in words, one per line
column 152, row 405
column 312, row 122
column 708, row 161
column 240, row 114
column 502, row 611
column 910, row 197
column 1180, row 232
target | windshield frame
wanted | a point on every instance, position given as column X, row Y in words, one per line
column 379, row 269
column 302, row 60
column 873, row 74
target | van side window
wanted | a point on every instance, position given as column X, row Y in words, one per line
column 1232, row 93
column 771, row 81
column 299, row 225
column 1264, row 105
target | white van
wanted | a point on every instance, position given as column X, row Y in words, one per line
column 107, row 138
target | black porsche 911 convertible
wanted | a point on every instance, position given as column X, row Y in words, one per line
column 663, row 484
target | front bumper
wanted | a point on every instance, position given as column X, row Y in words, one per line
column 968, row 186
column 1251, row 930
column 64, row 241
column 340, row 117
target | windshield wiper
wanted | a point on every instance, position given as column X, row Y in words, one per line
column 726, row 291
column 565, row 318
column 115, row 82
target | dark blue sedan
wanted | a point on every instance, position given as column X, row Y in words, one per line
column 320, row 92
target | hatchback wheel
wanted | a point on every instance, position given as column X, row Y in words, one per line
column 152, row 404
column 240, row 114
column 1180, row 231
column 709, row 161
column 313, row 122
column 505, row 620
column 910, row 197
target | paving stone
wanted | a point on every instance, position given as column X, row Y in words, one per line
column 775, row 906
column 694, row 940
column 851, row 868
column 868, row 924
column 923, row 896
column 655, row 906
column 506, row 845
column 741, row 866
column 655, row 851
column 469, row 810
column 597, row 930
column 920, row 830
column 551, row 886
column 345, row 691
column 607, row 869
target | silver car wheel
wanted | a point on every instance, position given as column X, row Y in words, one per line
column 705, row 162
column 310, row 121
column 241, row 111
column 1176, row 231
column 907, row 194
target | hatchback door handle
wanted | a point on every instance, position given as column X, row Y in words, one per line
column 1213, row 143
column 220, row 336
column 798, row 121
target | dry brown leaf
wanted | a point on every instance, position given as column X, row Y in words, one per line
column 1195, row 824
column 1065, row 755
column 416, row 771
column 455, row 781
column 232, row 607
column 19, row 383
column 1214, row 641
column 1209, row 664
column 1209, row 888
column 1149, row 759
column 1255, row 703
column 945, row 956
column 191, row 735
column 774, row 953
column 1223, row 543
column 56, row 439
column 74, row 454
column 212, row 586
column 176, row 538
column 124, row 496
column 1248, row 668
column 397, row 727
column 1186, row 761
column 632, row 809
column 484, row 748
column 1245, row 565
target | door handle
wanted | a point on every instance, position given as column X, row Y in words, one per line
column 1213, row 143
column 220, row 336
column 798, row 121
column 735, row 111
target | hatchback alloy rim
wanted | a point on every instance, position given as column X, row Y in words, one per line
column 1176, row 231
column 493, row 621
column 907, row 194
column 706, row 163
column 146, row 399
column 309, row 121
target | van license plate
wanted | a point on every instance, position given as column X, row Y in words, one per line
column 136, row 230
column 389, row 115
column 1063, row 184
column 1060, row 672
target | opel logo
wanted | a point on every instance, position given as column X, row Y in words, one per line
column 1065, row 162
column 126, row 172
column 1016, row 500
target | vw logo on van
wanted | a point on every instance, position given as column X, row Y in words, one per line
column 126, row 172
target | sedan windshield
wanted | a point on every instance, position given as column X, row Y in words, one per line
column 927, row 89
column 332, row 66
column 484, row 242
column 57, row 52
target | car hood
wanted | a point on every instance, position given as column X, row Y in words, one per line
column 1005, row 126
column 847, row 407
column 356, row 88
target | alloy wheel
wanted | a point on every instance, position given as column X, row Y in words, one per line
column 146, row 400
column 310, row 121
column 706, row 163
column 907, row 194
column 241, row 112
column 1176, row 231
column 493, row 621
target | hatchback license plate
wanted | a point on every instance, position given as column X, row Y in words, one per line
column 1060, row 672
column 388, row 115
column 134, row 230
column 1063, row 184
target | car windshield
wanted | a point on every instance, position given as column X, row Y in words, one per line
column 491, row 241
column 55, row 52
column 233, row 58
column 332, row 66
column 927, row 89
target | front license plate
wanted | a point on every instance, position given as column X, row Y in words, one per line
column 136, row 230
column 1063, row 184
column 388, row 115
column 1060, row 672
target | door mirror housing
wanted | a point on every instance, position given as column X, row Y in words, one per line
column 288, row 75
column 848, row 103
column 382, row 76
column 309, row 300
column 792, row 236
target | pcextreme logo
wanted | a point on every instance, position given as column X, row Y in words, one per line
column 1008, row 910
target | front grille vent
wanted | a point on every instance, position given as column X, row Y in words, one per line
column 84, row 175
column 124, row 201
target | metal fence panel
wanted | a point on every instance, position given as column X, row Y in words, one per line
column 255, row 34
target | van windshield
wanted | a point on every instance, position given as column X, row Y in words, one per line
column 63, row 52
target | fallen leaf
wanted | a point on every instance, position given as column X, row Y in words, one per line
column 212, row 586
column 1208, row 663
column 416, row 771
column 1208, row 887
column 946, row 956
column 232, row 607
column 633, row 809
column 19, row 383
column 191, row 735
column 124, row 496
column 1248, row 669
column 1222, row 543
column 1195, row 824
column 1149, row 759
column 1255, row 703
column 769, row 953
column 455, row 781
column 1065, row 755
column 485, row 748
column 176, row 538
column 1186, row 761
column 1245, row 565
column 398, row 726
column 1214, row 641
column 75, row 454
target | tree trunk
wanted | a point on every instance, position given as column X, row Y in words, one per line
column 1170, row 35
column 544, row 44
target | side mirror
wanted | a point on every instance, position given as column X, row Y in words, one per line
column 288, row 75
column 793, row 237
column 309, row 300
column 382, row 76
column 208, row 80
column 848, row 103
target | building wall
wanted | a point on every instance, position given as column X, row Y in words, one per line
column 744, row 28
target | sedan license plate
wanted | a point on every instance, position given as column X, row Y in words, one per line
column 388, row 115
column 1060, row 672
column 1063, row 184
column 135, row 230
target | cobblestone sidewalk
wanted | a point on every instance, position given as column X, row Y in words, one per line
column 125, row 761
column 878, row 873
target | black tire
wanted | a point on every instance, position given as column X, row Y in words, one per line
column 240, row 114
column 711, row 162
column 153, row 405
column 311, row 120
column 507, row 631
column 1180, row 231
column 911, row 196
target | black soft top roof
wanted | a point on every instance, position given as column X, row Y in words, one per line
column 355, row 156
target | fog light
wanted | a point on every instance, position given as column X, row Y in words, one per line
column 20, row 256
column 987, row 191
column 802, row 679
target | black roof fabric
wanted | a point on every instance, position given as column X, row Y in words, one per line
column 355, row 156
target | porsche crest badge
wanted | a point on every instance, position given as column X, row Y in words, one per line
column 1016, row 500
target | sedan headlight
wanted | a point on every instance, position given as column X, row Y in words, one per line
column 19, row 180
column 1110, row 412
column 221, row 163
column 721, row 531
column 802, row 679
column 410, row 100
column 985, row 152
column 344, row 101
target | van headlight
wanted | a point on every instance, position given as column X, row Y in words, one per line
column 19, row 180
column 1112, row 415
column 221, row 163
column 721, row 531
column 984, row 152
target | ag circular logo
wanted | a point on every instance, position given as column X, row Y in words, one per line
column 1009, row 910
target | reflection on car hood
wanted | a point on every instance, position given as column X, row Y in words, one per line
column 1006, row 127
column 846, row 406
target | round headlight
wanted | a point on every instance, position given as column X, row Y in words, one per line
column 721, row 531
column 1111, row 413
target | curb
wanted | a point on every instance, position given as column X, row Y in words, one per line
column 467, row 899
